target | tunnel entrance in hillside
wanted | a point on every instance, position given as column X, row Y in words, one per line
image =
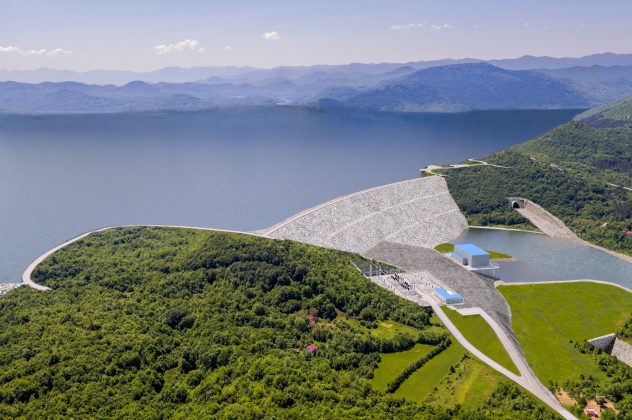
column 517, row 202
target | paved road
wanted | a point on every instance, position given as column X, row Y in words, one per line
column 527, row 378
column 26, row 275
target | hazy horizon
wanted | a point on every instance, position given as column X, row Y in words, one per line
column 246, row 66
column 143, row 36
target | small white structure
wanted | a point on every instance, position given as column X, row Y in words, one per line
column 448, row 297
column 475, row 258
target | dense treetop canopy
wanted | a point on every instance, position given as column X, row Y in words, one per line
column 158, row 322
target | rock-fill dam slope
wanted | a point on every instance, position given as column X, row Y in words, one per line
column 417, row 212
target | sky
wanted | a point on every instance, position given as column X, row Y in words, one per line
column 144, row 35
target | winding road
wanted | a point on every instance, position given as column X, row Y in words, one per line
column 527, row 378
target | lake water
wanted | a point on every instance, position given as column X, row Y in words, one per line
column 238, row 169
column 541, row 258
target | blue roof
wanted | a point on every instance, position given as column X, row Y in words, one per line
column 447, row 294
column 472, row 249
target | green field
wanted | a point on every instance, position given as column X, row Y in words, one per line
column 471, row 383
column 478, row 332
column 546, row 317
column 388, row 329
column 385, row 329
column 422, row 382
column 392, row 364
column 448, row 247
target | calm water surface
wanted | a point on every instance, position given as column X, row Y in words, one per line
column 541, row 258
column 236, row 169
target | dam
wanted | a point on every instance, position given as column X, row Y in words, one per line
column 417, row 212
column 398, row 224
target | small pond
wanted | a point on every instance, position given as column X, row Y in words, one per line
column 541, row 258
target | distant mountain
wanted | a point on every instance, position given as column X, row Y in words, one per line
column 529, row 62
column 346, row 73
column 465, row 87
column 602, row 84
column 451, row 88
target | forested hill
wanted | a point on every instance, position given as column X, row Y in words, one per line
column 162, row 323
column 578, row 171
column 466, row 87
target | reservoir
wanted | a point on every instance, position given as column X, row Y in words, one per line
column 243, row 168
column 542, row 258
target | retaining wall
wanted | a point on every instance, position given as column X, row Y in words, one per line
column 614, row 347
column 622, row 351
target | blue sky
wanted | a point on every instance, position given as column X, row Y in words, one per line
column 144, row 35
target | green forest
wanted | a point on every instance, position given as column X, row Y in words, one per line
column 161, row 323
column 569, row 171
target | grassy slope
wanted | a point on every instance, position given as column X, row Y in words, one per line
column 471, row 383
column 422, row 383
column 478, row 332
column 392, row 364
column 547, row 316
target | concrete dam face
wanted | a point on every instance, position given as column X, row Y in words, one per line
column 418, row 212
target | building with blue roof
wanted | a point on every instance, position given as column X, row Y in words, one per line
column 448, row 297
column 475, row 259
column 475, row 256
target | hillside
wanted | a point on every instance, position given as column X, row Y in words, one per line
column 450, row 88
column 576, row 171
column 157, row 322
column 610, row 115
column 466, row 87
column 601, row 84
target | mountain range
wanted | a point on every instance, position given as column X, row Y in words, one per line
column 444, row 88
column 248, row 74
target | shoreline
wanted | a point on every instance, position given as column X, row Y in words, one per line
column 527, row 283
column 509, row 229
column 624, row 257
column 7, row 287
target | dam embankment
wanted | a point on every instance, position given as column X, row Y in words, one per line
column 417, row 212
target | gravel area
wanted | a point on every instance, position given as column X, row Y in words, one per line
column 545, row 221
column 5, row 287
column 478, row 291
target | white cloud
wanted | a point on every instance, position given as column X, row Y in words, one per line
column 444, row 27
column 526, row 25
column 426, row 24
column 41, row 52
column 409, row 26
column 271, row 36
column 178, row 47
column 228, row 49
column 9, row 49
